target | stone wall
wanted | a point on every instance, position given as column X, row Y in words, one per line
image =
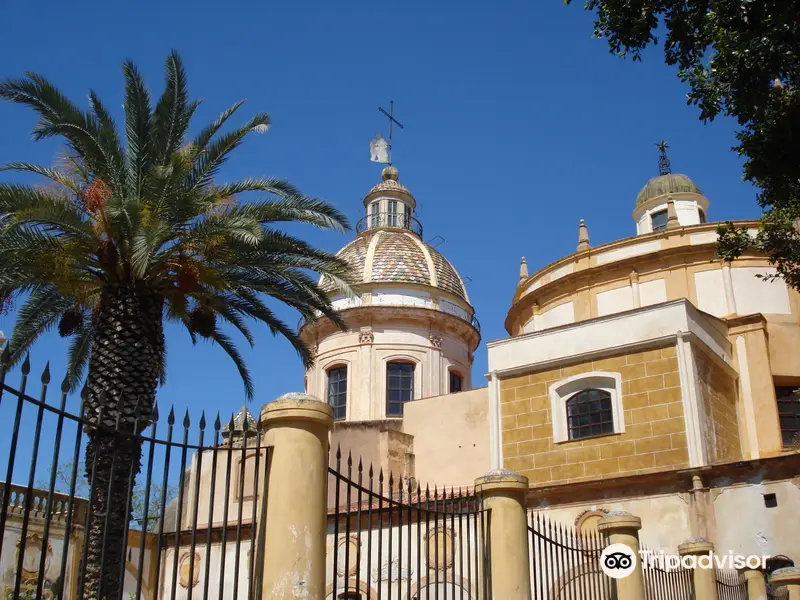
column 718, row 396
column 655, row 432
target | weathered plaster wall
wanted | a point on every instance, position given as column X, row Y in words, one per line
column 654, row 438
column 451, row 437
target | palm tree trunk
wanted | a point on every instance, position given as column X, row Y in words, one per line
column 121, row 383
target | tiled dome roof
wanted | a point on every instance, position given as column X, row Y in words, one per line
column 400, row 257
column 672, row 183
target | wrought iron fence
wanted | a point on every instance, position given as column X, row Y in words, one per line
column 565, row 563
column 731, row 585
column 665, row 582
column 390, row 539
column 193, row 507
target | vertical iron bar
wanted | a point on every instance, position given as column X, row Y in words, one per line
column 358, row 530
column 76, row 453
column 390, row 550
column 240, row 513
column 437, row 535
column 479, row 553
column 163, row 507
column 460, row 539
column 253, row 579
column 198, row 472
column 26, row 515
column 101, row 401
column 452, row 511
column 12, row 455
column 369, row 528
column 211, row 494
column 117, row 433
column 145, row 523
column 337, row 494
column 419, row 538
column 228, row 464
column 137, row 415
column 49, row 508
column 400, row 541
column 349, row 500
column 179, row 516
column 380, row 534
column 409, row 530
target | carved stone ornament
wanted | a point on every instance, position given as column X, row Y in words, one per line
column 436, row 340
column 185, row 577
column 366, row 337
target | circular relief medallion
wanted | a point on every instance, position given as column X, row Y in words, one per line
column 440, row 548
column 185, row 578
column 347, row 556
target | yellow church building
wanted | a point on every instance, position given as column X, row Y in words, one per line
column 642, row 375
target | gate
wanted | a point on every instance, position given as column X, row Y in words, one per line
column 731, row 585
column 389, row 539
column 193, row 505
column 565, row 564
column 665, row 582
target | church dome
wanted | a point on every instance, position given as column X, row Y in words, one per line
column 401, row 257
column 671, row 183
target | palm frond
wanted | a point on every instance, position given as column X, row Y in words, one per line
column 230, row 349
column 79, row 353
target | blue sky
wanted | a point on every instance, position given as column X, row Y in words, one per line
column 517, row 125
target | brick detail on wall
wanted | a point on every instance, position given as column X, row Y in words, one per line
column 655, row 430
column 718, row 397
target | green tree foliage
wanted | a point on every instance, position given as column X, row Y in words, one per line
column 740, row 58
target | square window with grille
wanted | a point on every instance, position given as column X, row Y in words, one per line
column 659, row 220
column 337, row 391
column 589, row 413
column 399, row 387
column 789, row 413
column 456, row 382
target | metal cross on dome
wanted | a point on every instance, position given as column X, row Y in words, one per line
column 663, row 160
column 381, row 149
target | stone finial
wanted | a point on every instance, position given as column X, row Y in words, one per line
column 523, row 270
column 583, row 237
column 672, row 215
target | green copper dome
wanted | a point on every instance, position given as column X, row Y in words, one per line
column 673, row 183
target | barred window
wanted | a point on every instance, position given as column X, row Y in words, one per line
column 399, row 387
column 392, row 216
column 589, row 413
column 789, row 413
column 456, row 382
column 337, row 391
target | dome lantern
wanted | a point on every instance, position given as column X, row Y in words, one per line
column 653, row 211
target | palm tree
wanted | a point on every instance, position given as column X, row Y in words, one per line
column 123, row 236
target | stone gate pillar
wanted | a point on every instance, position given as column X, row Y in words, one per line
column 756, row 584
column 788, row 577
column 504, row 495
column 296, row 428
column 704, row 574
column 623, row 528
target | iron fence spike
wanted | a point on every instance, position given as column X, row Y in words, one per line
column 186, row 421
column 217, row 424
column 202, row 420
column 171, row 416
column 338, row 451
column 155, row 412
column 6, row 356
column 65, row 383
column 26, row 366
column 46, row 374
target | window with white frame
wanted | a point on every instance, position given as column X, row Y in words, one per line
column 587, row 405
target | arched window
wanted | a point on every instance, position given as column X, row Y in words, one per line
column 337, row 391
column 702, row 215
column 456, row 382
column 589, row 413
column 399, row 386
column 659, row 220
column 374, row 215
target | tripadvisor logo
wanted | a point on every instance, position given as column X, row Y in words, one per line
column 619, row 560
